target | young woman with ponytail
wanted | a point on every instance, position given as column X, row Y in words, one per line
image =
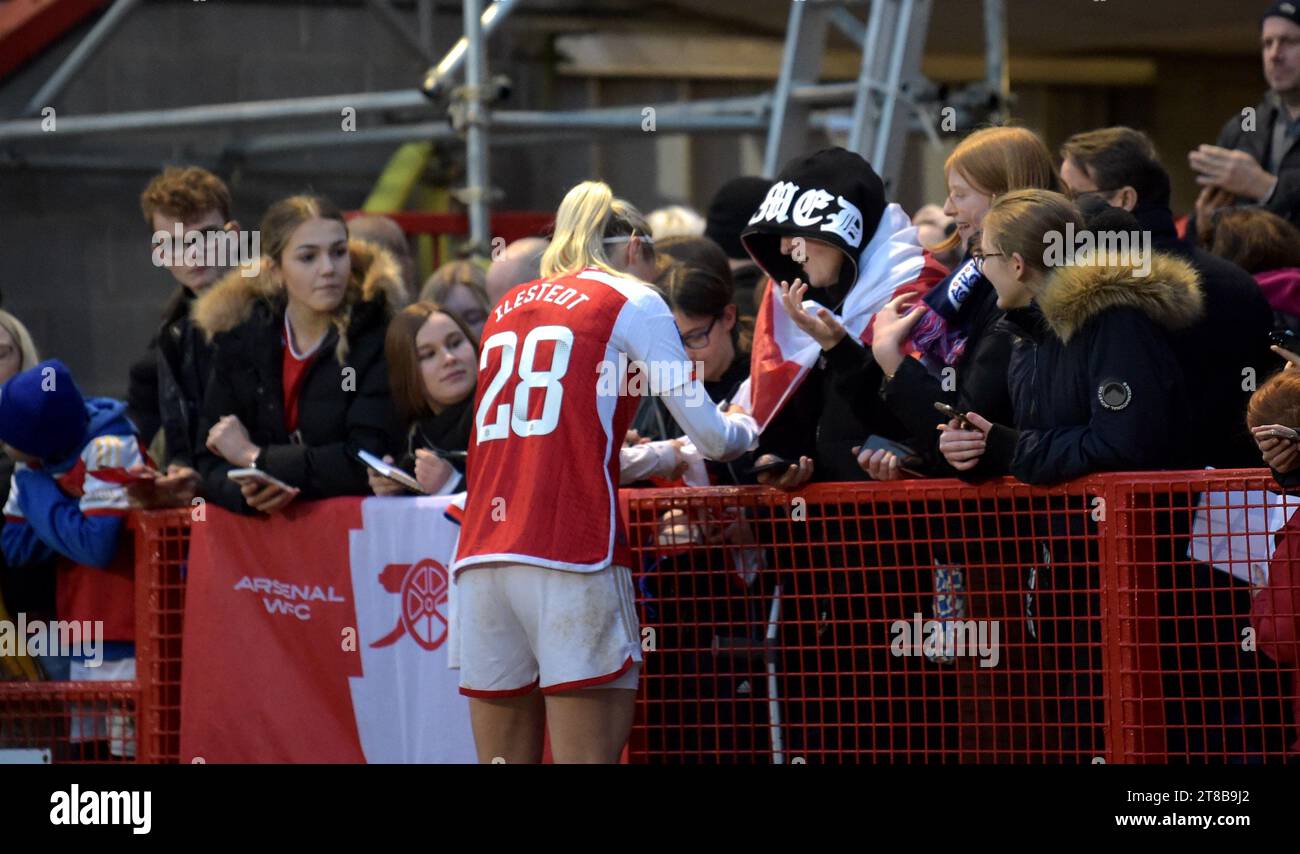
column 547, row 630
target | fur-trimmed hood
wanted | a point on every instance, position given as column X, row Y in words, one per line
column 376, row 277
column 1170, row 295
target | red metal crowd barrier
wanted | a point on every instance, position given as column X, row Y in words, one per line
column 162, row 540
column 1118, row 618
column 1111, row 619
column 136, row 720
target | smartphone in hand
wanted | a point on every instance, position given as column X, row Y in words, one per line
column 908, row 460
column 952, row 412
column 243, row 476
column 777, row 464
column 391, row 472
column 1280, row 432
column 1284, row 338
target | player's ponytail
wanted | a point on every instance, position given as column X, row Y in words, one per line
column 588, row 216
column 579, row 230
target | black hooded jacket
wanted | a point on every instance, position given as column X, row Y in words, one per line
column 1095, row 382
column 835, row 197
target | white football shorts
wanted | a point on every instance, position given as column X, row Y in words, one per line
column 522, row 627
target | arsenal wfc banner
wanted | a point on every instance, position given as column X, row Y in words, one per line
column 320, row 635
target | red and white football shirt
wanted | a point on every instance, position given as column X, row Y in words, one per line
column 543, row 454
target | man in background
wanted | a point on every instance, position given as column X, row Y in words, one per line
column 1255, row 160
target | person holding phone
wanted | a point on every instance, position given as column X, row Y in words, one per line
column 432, row 357
column 1273, row 417
column 168, row 383
column 946, row 346
column 299, row 381
column 826, row 234
column 1094, row 381
column 1279, row 444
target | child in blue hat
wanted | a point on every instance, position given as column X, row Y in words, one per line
column 68, row 502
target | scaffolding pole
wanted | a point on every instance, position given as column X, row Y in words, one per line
column 242, row 111
column 805, row 40
column 80, row 55
column 213, row 114
column 435, row 79
column 891, row 40
column 997, row 75
column 476, row 193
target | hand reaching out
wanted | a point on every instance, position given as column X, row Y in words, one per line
column 824, row 328
column 892, row 326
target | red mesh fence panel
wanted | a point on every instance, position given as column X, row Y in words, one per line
column 162, row 548
column 1119, row 618
column 71, row 721
column 1205, row 641
column 942, row 622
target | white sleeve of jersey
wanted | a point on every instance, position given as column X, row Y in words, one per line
column 646, row 331
column 718, row 436
column 651, row 459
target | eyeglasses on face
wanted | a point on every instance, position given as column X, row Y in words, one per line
column 699, row 338
column 980, row 257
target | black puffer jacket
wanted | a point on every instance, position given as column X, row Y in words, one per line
column 1095, row 383
column 344, row 404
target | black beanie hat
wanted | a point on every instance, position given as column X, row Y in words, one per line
column 1289, row 9
column 832, row 195
column 730, row 210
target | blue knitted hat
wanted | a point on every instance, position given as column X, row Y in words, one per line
column 42, row 412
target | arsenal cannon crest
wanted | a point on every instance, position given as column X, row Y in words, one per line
column 423, row 588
